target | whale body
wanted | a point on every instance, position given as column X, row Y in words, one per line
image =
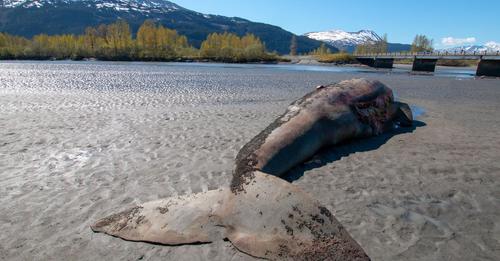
column 260, row 213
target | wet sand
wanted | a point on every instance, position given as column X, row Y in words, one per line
column 69, row 156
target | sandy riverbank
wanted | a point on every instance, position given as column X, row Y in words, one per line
column 68, row 157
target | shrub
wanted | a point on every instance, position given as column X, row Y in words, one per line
column 338, row 58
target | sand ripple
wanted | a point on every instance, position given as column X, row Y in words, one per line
column 79, row 141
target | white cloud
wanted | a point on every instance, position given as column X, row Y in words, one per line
column 449, row 41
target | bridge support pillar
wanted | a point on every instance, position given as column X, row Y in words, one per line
column 383, row 63
column 424, row 65
column 377, row 62
column 366, row 61
column 488, row 68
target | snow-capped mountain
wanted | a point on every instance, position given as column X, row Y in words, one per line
column 490, row 47
column 118, row 5
column 348, row 41
column 31, row 17
column 342, row 39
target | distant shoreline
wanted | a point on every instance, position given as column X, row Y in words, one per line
column 180, row 60
column 287, row 60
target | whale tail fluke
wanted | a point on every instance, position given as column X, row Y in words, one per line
column 270, row 218
column 273, row 219
column 172, row 221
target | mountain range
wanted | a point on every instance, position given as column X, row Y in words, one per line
column 347, row 41
column 490, row 47
column 30, row 17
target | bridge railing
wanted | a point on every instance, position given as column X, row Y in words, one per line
column 438, row 53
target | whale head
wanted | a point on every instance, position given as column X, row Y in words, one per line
column 369, row 103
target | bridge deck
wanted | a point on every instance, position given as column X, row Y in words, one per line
column 432, row 56
column 489, row 63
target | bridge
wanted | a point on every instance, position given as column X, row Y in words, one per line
column 489, row 63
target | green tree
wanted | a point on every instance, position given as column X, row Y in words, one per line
column 377, row 47
column 383, row 45
column 422, row 43
column 321, row 50
column 293, row 45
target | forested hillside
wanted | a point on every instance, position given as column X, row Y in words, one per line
column 153, row 42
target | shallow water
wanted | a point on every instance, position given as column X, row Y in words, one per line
column 417, row 111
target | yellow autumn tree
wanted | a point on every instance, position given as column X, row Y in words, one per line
column 115, row 42
column 118, row 39
column 232, row 48
column 156, row 42
column 13, row 47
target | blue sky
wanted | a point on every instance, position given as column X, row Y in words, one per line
column 449, row 23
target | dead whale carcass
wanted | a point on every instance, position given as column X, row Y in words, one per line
column 261, row 214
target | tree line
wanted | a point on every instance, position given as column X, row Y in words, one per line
column 377, row 47
column 421, row 43
column 152, row 43
column 323, row 54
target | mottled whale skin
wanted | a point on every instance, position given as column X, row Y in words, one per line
column 330, row 115
column 261, row 214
